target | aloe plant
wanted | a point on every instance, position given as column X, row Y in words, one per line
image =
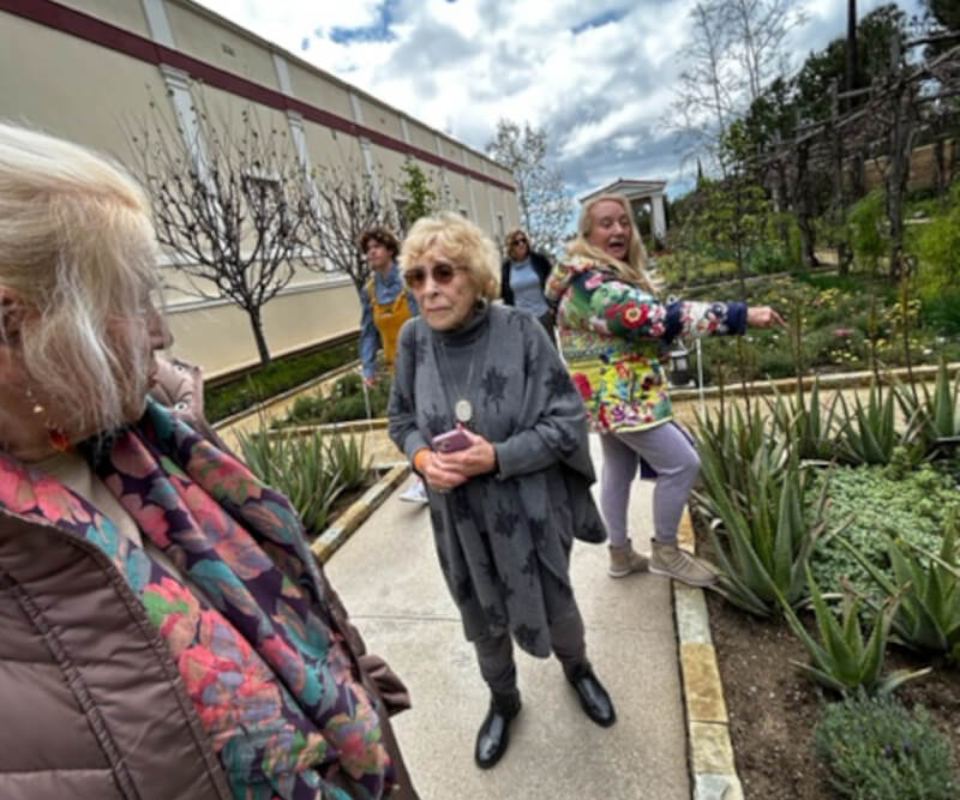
column 869, row 434
column 298, row 468
column 762, row 542
column 732, row 443
column 928, row 617
column 346, row 457
column 935, row 419
column 808, row 426
column 843, row 660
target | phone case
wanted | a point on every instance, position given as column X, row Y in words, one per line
column 450, row 442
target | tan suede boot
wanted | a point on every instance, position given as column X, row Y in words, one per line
column 670, row 560
column 625, row 560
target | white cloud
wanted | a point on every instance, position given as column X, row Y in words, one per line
column 459, row 66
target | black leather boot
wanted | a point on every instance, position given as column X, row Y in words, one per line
column 494, row 734
column 593, row 697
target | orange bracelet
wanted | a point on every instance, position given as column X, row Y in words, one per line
column 418, row 458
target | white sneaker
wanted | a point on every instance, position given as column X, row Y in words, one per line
column 416, row 493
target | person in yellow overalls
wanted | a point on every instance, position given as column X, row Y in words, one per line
column 386, row 306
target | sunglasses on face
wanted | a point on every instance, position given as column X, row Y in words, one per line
column 442, row 274
column 518, row 242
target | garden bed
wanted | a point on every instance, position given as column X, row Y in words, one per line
column 773, row 709
column 835, row 528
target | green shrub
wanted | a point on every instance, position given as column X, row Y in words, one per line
column 938, row 247
column 869, row 238
column 877, row 750
column 911, row 504
column 283, row 374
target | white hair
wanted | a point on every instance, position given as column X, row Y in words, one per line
column 459, row 239
column 77, row 255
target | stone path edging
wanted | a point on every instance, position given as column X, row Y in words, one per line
column 710, row 749
column 328, row 542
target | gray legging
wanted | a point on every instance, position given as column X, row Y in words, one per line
column 676, row 462
column 495, row 653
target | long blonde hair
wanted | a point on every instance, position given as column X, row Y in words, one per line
column 634, row 269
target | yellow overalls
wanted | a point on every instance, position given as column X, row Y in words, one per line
column 388, row 319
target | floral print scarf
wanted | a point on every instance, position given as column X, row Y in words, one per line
column 269, row 676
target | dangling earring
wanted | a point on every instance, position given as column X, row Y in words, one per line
column 58, row 439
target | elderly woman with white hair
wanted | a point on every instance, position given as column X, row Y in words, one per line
column 486, row 412
column 164, row 630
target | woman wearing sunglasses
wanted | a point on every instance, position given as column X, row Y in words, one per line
column 612, row 326
column 523, row 276
column 511, row 491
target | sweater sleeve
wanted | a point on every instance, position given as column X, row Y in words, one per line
column 369, row 337
column 553, row 436
column 402, row 408
column 620, row 309
column 505, row 291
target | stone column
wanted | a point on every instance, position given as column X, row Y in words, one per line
column 658, row 216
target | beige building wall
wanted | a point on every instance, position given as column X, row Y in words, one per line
column 95, row 85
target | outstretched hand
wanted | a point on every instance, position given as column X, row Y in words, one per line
column 764, row 317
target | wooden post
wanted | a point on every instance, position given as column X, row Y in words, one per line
column 838, row 214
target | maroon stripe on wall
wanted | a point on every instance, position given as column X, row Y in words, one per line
column 83, row 26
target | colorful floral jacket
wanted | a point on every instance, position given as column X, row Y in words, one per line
column 611, row 333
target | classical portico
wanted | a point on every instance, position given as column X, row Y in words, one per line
column 639, row 193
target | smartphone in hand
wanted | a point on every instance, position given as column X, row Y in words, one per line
column 451, row 441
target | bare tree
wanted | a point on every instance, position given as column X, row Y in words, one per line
column 758, row 29
column 737, row 48
column 545, row 207
column 226, row 203
column 705, row 98
column 345, row 201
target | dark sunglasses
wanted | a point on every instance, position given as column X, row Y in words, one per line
column 441, row 273
column 518, row 242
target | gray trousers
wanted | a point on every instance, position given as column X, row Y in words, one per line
column 676, row 462
column 495, row 653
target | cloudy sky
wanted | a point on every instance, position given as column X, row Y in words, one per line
column 599, row 75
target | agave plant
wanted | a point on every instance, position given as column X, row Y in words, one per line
column 297, row 467
column 869, row 434
column 809, row 427
column 843, row 660
column 345, row 456
column 732, row 443
column 934, row 420
column 928, row 617
column 762, row 542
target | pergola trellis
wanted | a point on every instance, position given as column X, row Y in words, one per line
column 896, row 109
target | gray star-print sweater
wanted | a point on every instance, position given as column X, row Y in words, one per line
column 503, row 540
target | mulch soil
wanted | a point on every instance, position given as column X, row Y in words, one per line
column 773, row 709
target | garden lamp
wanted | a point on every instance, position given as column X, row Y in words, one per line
column 679, row 365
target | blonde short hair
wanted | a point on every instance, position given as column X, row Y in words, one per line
column 462, row 242
column 78, row 252
column 634, row 269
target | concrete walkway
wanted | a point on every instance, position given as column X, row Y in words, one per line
column 389, row 579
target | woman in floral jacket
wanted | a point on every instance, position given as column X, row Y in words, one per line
column 612, row 327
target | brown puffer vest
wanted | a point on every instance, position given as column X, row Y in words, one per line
column 92, row 706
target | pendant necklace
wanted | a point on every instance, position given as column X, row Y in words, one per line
column 462, row 407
